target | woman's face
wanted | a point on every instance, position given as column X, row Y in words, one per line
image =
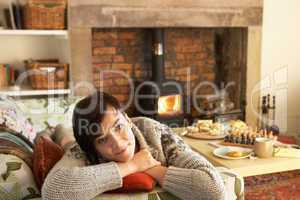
column 117, row 142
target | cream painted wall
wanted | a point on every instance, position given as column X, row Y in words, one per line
column 16, row 49
column 280, row 68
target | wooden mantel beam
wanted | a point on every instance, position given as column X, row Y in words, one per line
column 172, row 3
column 165, row 13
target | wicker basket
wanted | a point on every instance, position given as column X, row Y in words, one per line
column 45, row 14
column 48, row 75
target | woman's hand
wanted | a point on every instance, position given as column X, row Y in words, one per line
column 158, row 173
column 143, row 160
column 140, row 162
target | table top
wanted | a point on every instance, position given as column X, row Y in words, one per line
column 244, row 167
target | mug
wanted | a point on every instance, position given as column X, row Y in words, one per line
column 263, row 147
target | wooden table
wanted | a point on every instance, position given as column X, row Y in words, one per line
column 244, row 167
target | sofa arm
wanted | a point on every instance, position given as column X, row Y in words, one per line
column 234, row 184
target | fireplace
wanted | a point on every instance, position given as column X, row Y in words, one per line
column 216, row 42
column 170, row 68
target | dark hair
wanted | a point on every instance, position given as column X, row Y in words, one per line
column 90, row 111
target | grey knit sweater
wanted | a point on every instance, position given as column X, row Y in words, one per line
column 189, row 175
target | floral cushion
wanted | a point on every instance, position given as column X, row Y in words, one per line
column 16, row 180
column 44, row 112
column 13, row 119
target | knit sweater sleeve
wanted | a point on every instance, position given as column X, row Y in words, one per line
column 189, row 175
column 71, row 179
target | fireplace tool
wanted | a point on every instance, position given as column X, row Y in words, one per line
column 265, row 108
column 274, row 128
column 264, row 113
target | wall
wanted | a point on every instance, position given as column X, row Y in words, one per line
column 281, row 60
column 115, row 49
column 16, row 49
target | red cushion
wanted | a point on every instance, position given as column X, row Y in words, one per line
column 46, row 154
column 137, row 182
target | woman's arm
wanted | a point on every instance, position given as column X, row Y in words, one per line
column 71, row 179
column 158, row 173
column 189, row 175
column 81, row 182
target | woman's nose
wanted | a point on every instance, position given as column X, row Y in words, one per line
column 116, row 141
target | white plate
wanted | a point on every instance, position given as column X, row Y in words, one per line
column 205, row 136
column 221, row 152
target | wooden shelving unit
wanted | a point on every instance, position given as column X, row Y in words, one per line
column 18, row 45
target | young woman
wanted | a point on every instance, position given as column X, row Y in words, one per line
column 110, row 146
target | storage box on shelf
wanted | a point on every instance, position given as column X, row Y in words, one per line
column 47, row 74
column 45, row 14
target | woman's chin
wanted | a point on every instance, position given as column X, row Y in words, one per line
column 123, row 160
column 125, row 157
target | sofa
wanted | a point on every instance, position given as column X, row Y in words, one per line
column 20, row 120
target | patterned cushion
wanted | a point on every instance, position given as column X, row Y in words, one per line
column 16, row 180
column 12, row 144
column 48, row 111
column 14, row 120
column 17, row 139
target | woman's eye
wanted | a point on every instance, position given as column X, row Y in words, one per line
column 102, row 140
column 118, row 127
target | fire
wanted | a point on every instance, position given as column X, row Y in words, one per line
column 169, row 105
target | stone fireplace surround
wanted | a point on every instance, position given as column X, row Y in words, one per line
column 91, row 20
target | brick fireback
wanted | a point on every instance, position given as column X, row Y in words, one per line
column 129, row 50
